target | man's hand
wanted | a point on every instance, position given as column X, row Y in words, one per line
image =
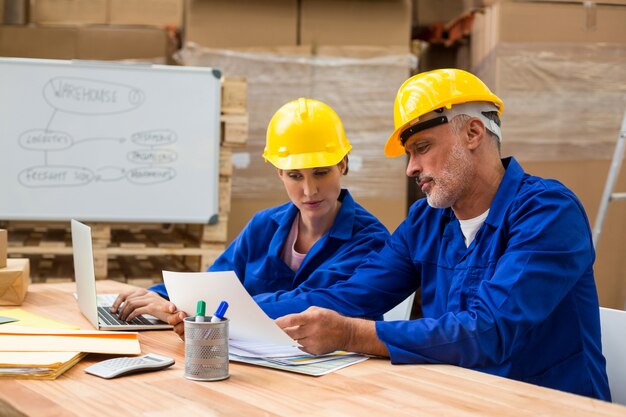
column 176, row 320
column 320, row 331
column 140, row 301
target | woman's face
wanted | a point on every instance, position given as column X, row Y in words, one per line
column 314, row 190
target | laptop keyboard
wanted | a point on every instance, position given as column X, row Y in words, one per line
column 106, row 316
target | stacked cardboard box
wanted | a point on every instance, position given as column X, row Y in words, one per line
column 268, row 23
column 14, row 12
column 107, row 12
column 3, row 248
column 560, row 68
column 14, row 275
column 352, row 22
column 236, row 23
column 557, row 67
column 431, row 12
column 95, row 30
column 86, row 42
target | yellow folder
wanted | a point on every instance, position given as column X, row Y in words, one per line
column 26, row 318
column 31, row 339
column 36, row 347
column 37, row 365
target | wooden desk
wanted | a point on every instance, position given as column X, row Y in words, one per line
column 374, row 387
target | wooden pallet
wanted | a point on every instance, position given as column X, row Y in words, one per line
column 139, row 270
column 118, row 239
column 234, row 118
column 137, row 252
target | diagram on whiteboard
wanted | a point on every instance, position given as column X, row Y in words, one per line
column 149, row 161
column 109, row 141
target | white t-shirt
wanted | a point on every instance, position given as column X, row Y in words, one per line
column 470, row 227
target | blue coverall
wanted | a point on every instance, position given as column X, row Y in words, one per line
column 255, row 254
column 520, row 302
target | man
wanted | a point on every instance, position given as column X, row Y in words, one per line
column 504, row 259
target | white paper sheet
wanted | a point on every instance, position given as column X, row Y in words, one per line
column 247, row 321
column 263, row 350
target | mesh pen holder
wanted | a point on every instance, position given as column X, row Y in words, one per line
column 206, row 349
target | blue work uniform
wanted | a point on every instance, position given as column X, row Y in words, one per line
column 520, row 302
column 255, row 254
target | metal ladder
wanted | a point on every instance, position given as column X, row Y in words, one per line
column 608, row 195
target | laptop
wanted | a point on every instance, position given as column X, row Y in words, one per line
column 94, row 307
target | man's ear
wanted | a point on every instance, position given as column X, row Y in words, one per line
column 279, row 172
column 475, row 132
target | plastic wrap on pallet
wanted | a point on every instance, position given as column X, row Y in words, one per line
column 360, row 83
column 563, row 101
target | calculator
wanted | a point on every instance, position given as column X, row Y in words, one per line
column 115, row 367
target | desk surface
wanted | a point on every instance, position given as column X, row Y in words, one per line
column 373, row 387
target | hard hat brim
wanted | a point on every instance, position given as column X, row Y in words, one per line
column 307, row 160
column 393, row 147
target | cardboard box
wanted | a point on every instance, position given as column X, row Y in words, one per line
column 430, row 12
column 115, row 12
column 353, row 22
column 3, row 248
column 38, row 42
column 119, row 42
column 146, row 12
column 537, row 22
column 236, row 23
column 554, row 78
column 69, row 12
column 89, row 42
column 14, row 281
column 14, row 12
column 533, row 21
column 591, row 2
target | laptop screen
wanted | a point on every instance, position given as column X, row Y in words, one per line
column 84, row 271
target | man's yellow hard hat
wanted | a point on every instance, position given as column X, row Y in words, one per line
column 434, row 91
column 305, row 133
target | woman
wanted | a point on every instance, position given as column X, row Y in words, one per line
column 315, row 240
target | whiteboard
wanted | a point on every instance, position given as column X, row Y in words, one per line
column 102, row 141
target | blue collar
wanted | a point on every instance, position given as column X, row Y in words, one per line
column 506, row 193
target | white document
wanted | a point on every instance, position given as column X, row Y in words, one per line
column 263, row 350
column 247, row 321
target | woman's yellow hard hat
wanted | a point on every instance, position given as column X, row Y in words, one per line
column 305, row 133
column 430, row 91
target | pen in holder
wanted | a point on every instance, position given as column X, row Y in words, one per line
column 206, row 349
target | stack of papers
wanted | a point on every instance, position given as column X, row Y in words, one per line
column 253, row 336
column 37, row 365
column 305, row 365
column 291, row 359
column 45, row 352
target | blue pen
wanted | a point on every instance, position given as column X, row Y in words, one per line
column 200, row 309
column 220, row 312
